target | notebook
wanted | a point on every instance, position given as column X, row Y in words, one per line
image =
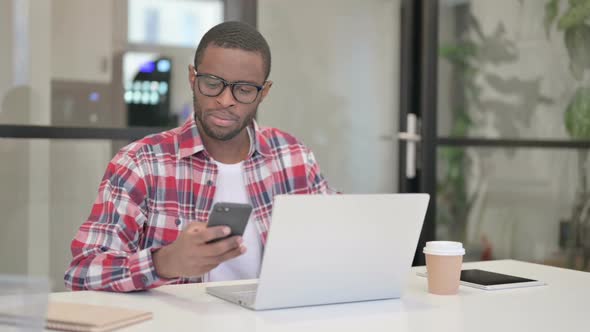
column 91, row 318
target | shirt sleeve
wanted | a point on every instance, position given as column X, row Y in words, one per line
column 106, row 252
column 317, row 183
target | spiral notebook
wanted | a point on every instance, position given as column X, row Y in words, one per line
column 78, row 317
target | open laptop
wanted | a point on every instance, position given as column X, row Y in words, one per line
column 324, row 249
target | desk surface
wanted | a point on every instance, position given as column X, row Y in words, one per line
column 562, row 305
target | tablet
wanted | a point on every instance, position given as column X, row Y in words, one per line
column 491, row 280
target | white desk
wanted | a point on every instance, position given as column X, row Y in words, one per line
column 562, row 305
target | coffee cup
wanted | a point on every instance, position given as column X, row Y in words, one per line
column 443, row 263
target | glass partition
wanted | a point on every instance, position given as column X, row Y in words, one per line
column 47, row 191
column 514, row 70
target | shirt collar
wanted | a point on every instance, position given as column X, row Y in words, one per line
column 190, row 142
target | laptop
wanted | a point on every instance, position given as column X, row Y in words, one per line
column 327, row 249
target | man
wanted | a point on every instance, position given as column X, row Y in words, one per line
column 148, row 224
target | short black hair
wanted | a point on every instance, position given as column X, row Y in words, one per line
column 238, row 35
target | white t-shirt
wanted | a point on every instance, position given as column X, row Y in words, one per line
column 230, row 187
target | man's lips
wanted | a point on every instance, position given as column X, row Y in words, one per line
column 222, row 119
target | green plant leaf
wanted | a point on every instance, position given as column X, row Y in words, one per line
column 458, row 54
column 461, row 125
column 577, row 42
column 577, row 114
column 551, row 11
column 575, row 15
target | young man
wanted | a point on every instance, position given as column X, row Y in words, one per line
column 148, row 224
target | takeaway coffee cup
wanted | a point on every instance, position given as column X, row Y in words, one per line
column 443, row 263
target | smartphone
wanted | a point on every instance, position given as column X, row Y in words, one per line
column 234, row 215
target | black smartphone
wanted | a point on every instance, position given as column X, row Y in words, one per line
column 234, row 215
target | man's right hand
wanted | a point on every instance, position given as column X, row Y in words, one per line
column 190, row 255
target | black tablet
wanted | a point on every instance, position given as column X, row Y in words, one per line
column 491, row 280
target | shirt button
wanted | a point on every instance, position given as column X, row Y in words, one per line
column 144, row 279
column 209, row 183
column 177, row 222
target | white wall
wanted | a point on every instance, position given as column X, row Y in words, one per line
column 335, row 71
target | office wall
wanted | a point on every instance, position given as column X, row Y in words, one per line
column 335, row 71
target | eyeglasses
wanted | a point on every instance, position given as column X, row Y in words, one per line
column 213, row 86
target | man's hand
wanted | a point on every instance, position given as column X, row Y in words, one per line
column 190, row 255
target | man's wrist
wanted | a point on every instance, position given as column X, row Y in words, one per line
column 162, row 264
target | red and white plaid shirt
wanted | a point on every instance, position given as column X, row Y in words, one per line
column 155, row 187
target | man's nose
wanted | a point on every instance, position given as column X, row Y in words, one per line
column 226, row 98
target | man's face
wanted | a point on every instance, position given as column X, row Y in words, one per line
column 223, row 117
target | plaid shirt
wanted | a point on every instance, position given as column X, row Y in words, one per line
column 153, row 188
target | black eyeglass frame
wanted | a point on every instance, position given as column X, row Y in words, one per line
column 230, row 84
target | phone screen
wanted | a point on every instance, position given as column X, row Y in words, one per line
column 488, row 278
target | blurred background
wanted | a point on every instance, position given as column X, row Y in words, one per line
column 483, row 104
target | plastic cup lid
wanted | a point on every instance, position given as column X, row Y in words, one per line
column 444, row 248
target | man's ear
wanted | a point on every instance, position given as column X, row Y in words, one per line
column 265, row 90
column 191, row 76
